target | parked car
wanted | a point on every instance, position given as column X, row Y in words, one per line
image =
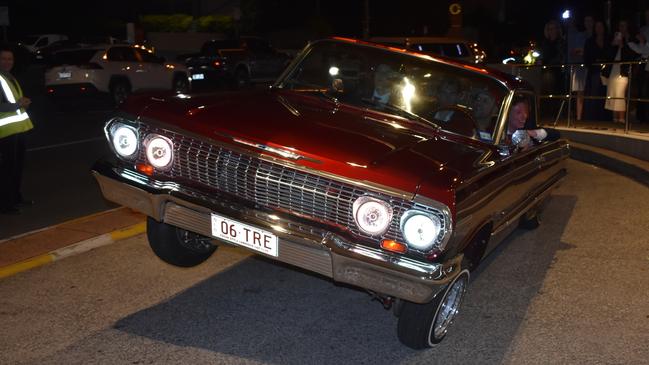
column 46, row 54
column 459, row 48
column 240, row 61
column 37, row 41
column 118, row 70
column 402, row 196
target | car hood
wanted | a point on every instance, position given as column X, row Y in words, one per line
column 351, row 142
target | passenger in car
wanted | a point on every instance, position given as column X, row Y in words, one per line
column 448, row 93
column 383, row 84
column 520, row 131
column 482, row 104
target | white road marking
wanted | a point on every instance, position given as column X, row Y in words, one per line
column 65, row 144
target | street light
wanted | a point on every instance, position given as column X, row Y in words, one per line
column 566, row 14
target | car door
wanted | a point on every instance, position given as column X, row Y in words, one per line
column 519, row 169
column 152, row 70
column 261, row 58
column 122, row 61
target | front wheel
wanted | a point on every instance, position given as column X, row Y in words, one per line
column 177, row 246
column 119, row 91
column 422, row 326
column 180, row 84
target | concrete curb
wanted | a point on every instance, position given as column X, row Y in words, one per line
column 630, row 167
column 74, row 249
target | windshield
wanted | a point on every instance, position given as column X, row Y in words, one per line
column 456, row 99
column 76, row 57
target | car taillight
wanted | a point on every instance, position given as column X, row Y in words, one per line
column 91, row 66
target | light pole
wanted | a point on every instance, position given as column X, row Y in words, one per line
column 366, row 19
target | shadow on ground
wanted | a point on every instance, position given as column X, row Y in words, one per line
column 266, row 312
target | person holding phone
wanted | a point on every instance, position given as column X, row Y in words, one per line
column 618, row 78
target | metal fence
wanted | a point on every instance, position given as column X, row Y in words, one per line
column 558, row 102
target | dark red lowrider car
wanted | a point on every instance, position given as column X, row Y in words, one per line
column 373, row 166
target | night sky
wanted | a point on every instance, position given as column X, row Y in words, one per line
column 524, row 19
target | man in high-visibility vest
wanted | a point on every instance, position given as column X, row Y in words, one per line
column 14, row 122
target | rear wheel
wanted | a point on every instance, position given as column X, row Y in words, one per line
column 180, row 84
column 177, row 246
column 119, row 91
column 423, row 325
column 241, row 78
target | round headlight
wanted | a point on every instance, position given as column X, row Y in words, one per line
column 373, row 216
column 420, row 229
column 125, row 141
column 159, row 151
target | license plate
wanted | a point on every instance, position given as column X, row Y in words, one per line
column 244, row 235
column 65, row 75
column 198, row 77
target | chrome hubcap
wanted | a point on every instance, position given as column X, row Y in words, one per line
column 194, row 242
column 449, row 307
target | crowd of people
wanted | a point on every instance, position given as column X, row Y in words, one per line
column 591, row 52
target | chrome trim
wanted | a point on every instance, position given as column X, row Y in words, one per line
column 110, row 127
column 301, row 244
column 259, row 178
column 444, row 210
column 399, row 200
column 288, row 106
column 501, row 127
column 365, row 199
column 382, row 189
column 413, row 212
column 145, row 143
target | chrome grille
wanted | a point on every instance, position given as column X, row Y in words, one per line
column 272, row 185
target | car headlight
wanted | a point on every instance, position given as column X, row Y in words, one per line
column 420, row 229
column 159, row 151
column 373, row 216
column 125, row 140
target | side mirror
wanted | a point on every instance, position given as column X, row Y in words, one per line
column 505, row 150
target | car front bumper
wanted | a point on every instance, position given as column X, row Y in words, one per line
column 301, row 243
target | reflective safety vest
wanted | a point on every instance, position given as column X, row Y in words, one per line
column 17, row 121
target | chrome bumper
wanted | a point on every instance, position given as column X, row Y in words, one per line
column 301, row 243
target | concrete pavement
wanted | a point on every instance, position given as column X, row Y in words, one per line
column 571, row 292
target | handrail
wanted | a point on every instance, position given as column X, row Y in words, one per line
column 567, row 95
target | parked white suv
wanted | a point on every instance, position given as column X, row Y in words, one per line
column 118, row 70
column 37, row 41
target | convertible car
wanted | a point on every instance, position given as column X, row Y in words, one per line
column 392, row 171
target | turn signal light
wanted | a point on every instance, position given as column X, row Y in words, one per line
column 394, row 246
column 145, row 169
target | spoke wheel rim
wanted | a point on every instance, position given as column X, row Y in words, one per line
column 194, row 242
column 448, row 308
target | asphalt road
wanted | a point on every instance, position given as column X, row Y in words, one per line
column 573, row 291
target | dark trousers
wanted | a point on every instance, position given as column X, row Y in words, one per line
column 642, row 111
column 12, row 161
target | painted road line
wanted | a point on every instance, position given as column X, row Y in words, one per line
column 74, row 249
column 65, row 144
column 85, row 217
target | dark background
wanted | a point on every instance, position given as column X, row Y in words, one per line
column 490, row 22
